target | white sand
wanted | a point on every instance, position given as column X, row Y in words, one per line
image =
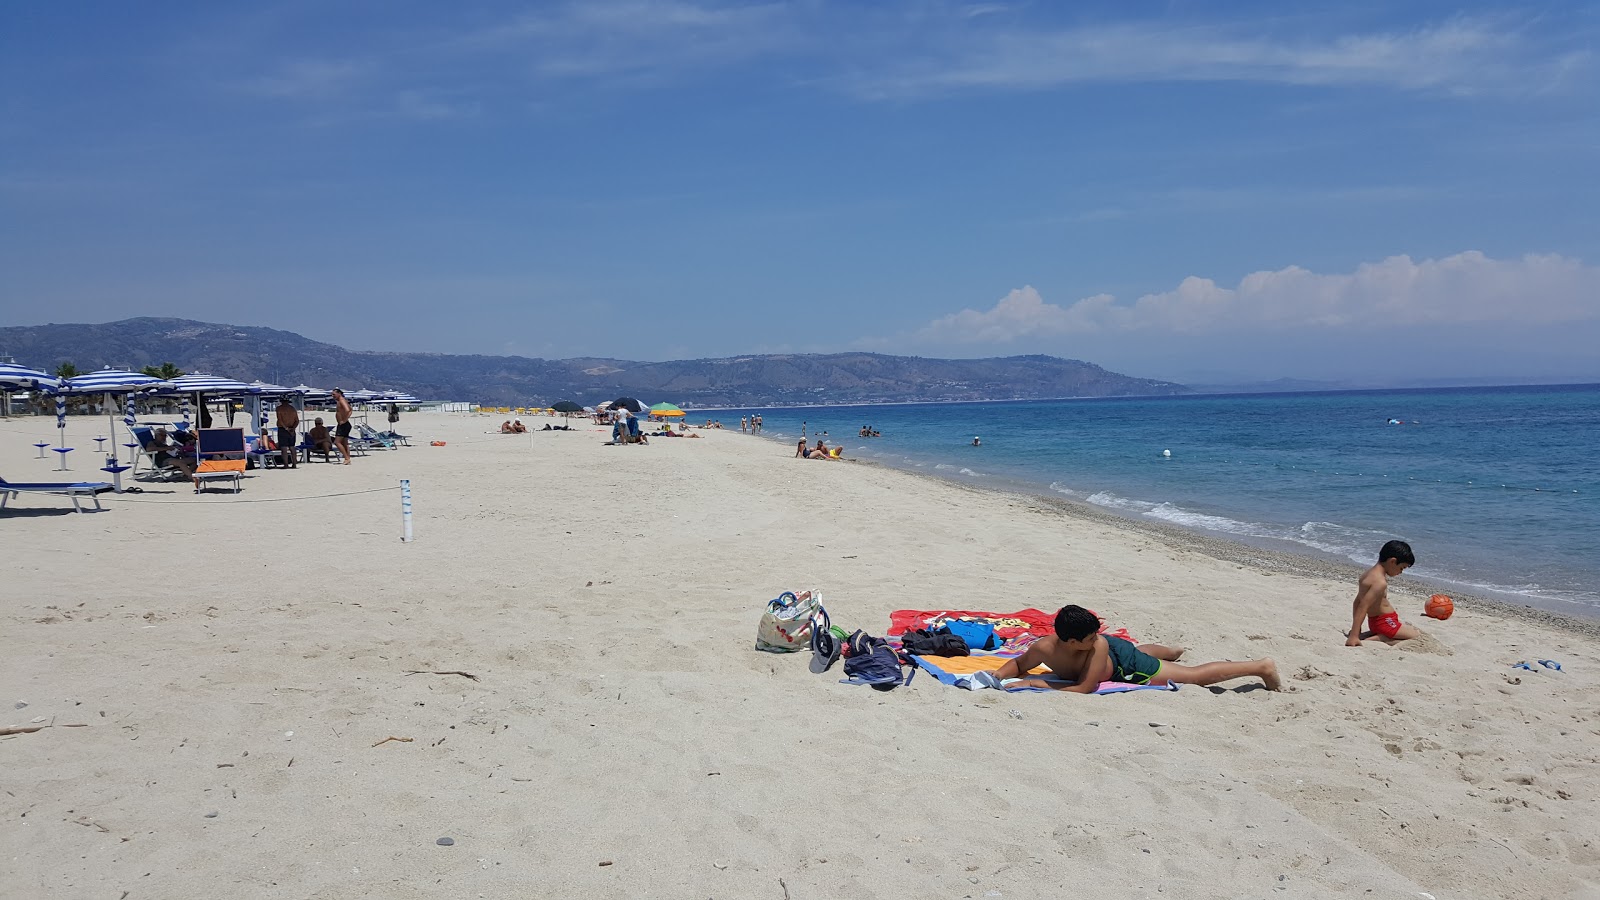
column 607, row 599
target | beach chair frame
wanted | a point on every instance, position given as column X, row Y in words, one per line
column 73, row 490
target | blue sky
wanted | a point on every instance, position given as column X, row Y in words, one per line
column 1180, row 190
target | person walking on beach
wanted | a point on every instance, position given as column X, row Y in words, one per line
column 802, row 430
column 341, row 431
column 1372, row 598
column 744, row 425
column 757, row 428
column 1080, row 658
column 288, row 435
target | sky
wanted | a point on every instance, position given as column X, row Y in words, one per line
column 1371, row 192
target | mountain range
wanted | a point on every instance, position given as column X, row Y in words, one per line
column 250, row 353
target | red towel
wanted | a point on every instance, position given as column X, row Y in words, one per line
column 1039, row 623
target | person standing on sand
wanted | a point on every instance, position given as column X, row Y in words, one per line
column 744, row 425
column 1372, row 598
column 341, row 431
column 758, row 423
column 288, row 437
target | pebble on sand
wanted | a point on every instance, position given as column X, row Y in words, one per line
column 446, row 842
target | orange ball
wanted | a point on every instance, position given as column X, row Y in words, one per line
column 1439, row 607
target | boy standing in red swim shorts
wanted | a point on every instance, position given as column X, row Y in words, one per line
column 1372, row 598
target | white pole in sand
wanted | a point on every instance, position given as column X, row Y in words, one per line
column 405, row 508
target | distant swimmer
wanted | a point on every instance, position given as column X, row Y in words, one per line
column 1396, row 422
column 976, row 442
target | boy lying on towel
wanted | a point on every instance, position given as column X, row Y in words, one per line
column 1079, row 653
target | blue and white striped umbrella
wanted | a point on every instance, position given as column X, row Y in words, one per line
column 108, row 381
column 61, row 414
column 269, row 390
column 15, row 377
column 204, row 384
column 130, row 416
column 187, row 410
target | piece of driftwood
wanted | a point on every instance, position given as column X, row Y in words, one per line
column 453, row 672
column 393, row 738
column 30, row 729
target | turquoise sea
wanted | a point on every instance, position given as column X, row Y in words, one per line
column 1496, row 489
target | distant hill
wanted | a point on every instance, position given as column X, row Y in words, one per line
column 283, row 357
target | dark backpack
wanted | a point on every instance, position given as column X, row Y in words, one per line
column 871, row 661
column 939, row 642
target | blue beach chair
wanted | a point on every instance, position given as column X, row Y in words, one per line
column 74, row 490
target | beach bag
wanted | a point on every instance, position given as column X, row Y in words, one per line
column 938, row 642
column 871, row 661
column 788, row 621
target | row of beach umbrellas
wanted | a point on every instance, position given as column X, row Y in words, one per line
column 116, row 382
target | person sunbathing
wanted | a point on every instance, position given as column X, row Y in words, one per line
column 505, row 427
column 1080, row 658
column 518, row 428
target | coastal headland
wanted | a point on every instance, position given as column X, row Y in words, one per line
column 280, row 698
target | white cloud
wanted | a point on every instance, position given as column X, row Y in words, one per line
column 1466, row 289
column 1459, row 56
column 311, row 79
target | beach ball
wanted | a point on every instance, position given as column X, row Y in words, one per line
column 1439, row 607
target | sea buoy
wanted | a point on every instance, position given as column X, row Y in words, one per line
column 1167, row 453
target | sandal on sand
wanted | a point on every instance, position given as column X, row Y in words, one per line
column 1550, row 664
column 1522, row 665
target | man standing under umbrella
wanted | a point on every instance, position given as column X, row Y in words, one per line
column 341, row 433
column 288, row 435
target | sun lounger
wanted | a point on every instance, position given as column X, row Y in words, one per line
column 222, row 456
column 368, row 439
column 74, row 490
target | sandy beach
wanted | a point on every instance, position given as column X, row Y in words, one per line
column 239, row 661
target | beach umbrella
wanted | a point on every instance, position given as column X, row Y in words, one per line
column 197, row 385
column 627, row 403
column 311, row 393
column 270, row 390
column 21, row 378
column 15, row 377
column 665, row 411
column 130, row 415
column 110, row 382
column 565, row 406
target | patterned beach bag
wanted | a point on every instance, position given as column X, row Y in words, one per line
column 786, row 625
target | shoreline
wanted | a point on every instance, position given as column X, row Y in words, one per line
column 1263, row 559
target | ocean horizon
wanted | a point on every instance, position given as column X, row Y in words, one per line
column 1494, row 487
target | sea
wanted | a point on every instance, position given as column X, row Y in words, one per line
column 1497, row 489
